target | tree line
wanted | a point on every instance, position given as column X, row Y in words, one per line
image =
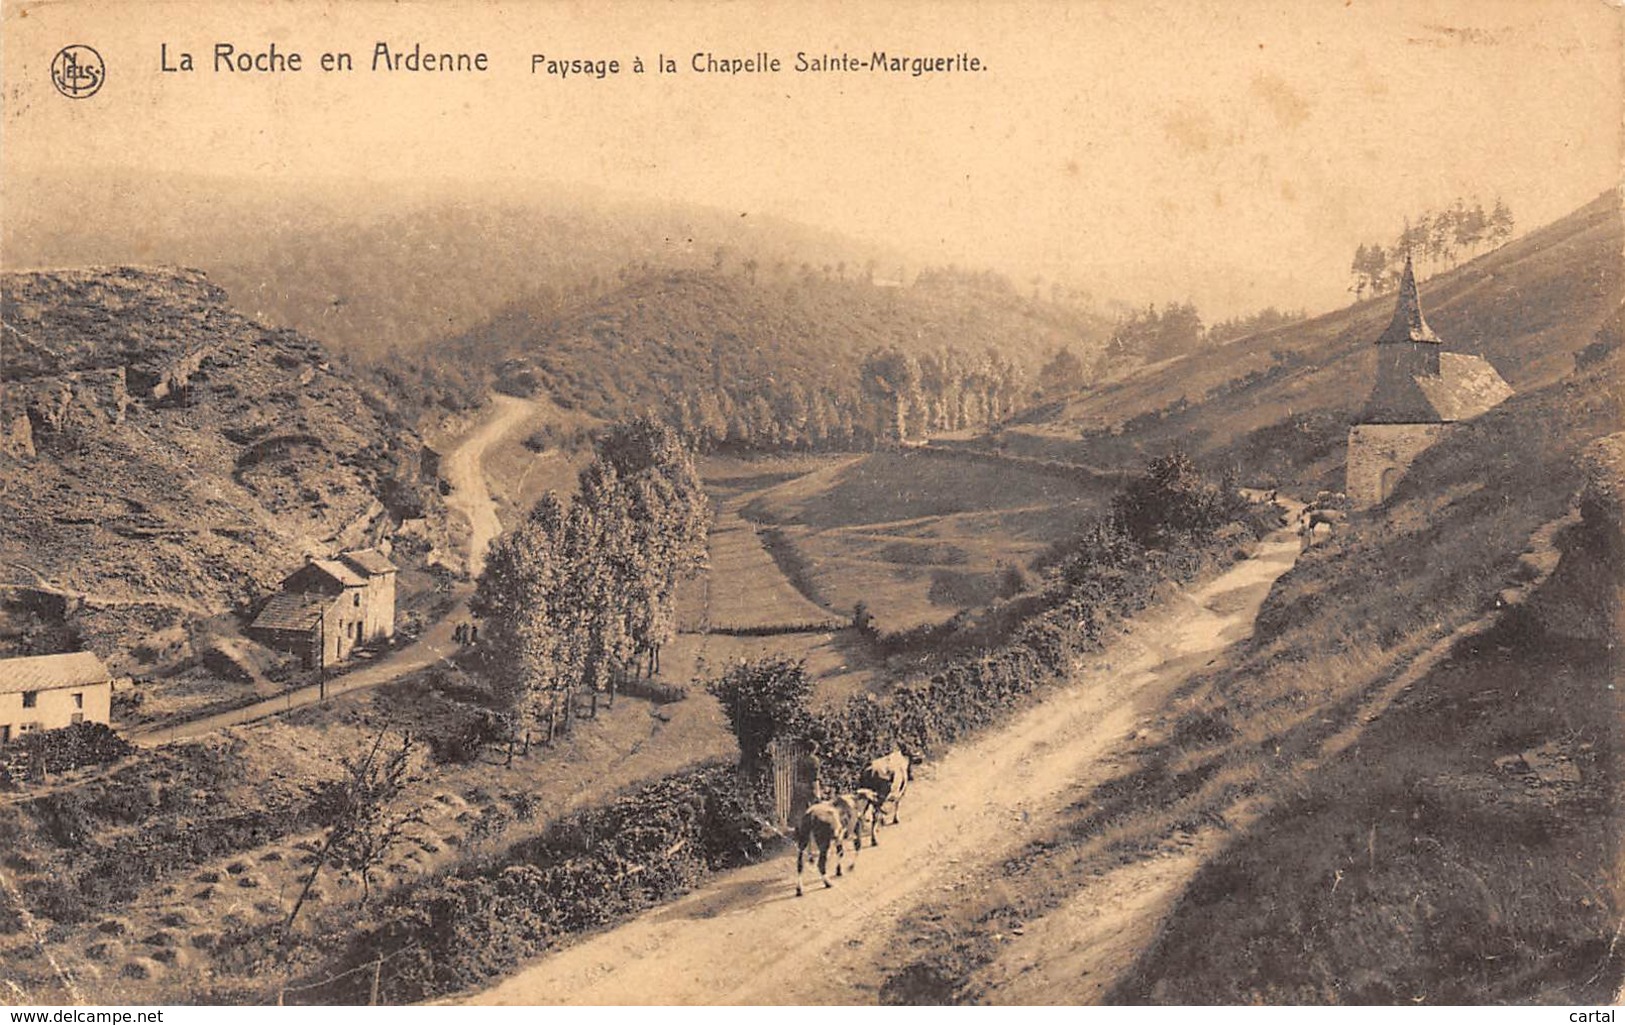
column 1435, row 239
column 577, row 597
column 898, row 397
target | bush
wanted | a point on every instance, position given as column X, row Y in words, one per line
column 585, row 871
column 466, row 732
column 762, row 699
column 654, row 690
column 71, row 747
column 1172, row 500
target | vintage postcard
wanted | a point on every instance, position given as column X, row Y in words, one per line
column 557, row 503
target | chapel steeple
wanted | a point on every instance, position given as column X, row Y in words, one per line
column 1408, row 324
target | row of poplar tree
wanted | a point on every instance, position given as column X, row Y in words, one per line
column 897, row 396
column 581, row 596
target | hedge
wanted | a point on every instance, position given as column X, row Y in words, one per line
column 594, row 868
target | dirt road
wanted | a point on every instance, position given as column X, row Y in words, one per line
column 471, row 495
column 465, row 471
column 746, row 938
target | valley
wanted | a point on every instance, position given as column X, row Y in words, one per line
column 467, row 606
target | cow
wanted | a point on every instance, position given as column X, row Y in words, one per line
column 827, row 824
column 888, row 777
column 1333, row 519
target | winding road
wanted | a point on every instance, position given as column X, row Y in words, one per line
column 470, row 495
column 746, row 939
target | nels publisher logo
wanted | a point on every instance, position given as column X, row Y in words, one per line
column 78, row 72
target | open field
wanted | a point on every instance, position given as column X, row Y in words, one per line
column 745, row 589
column 139, row 926
column 918, row 536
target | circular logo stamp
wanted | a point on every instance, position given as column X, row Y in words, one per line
column 78, row 72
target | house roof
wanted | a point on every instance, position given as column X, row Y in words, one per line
column 1466, row 387
column 291, row 610
column 1408, row 324
column 332, row 569
column 370, row 561
column 49, row 672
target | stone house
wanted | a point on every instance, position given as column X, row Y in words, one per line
column 1423, row 389
column 329, row 607
column 48, row 692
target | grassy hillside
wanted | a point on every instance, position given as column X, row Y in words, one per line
column 1278, row 403
column 165, row 458
column 1460, row 845
column 1392, row 793
column 665, row 335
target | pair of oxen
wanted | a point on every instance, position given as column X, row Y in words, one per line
column 830, row 824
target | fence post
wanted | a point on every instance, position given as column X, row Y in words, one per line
column 377, row 970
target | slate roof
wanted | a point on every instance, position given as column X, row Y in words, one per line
column 1408, row 324
column 370, row 561
column 1467, row 386
column 51, row 672
column 333, row 569
column 291, row 610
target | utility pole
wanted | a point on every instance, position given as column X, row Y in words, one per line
column 321, row 657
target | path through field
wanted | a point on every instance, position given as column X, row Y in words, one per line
column 747, row 939
column 470, row 494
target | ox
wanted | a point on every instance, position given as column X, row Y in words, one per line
column 827, row 824
column 888, row 777
column 1333, row 519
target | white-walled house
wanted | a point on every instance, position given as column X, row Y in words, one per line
column 48, row 692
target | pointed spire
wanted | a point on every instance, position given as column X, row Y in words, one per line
column 1408, row 325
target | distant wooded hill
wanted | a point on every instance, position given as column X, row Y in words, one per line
column 372, row 270
column 757, row 354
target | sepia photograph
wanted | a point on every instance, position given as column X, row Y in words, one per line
column 502, row 503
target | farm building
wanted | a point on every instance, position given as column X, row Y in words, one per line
column 48, row 692
column 1422, row 390
column 329, row 607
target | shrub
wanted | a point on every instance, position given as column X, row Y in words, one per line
column 461, row 736
column 654, row 690
column 587, row 870
column 1171, row 499
column 762, row 699
column 85, row 743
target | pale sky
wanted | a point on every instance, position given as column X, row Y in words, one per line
column 1233, row 153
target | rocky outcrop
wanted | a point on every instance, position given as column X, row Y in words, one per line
column 1585, row 597
column 59, row 407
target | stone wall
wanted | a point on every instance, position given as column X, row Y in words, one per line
column 1379, row 455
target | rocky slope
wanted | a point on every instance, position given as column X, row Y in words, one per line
column 163, row 457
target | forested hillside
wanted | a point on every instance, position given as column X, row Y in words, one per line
column 372, row 272
column 770, row 357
